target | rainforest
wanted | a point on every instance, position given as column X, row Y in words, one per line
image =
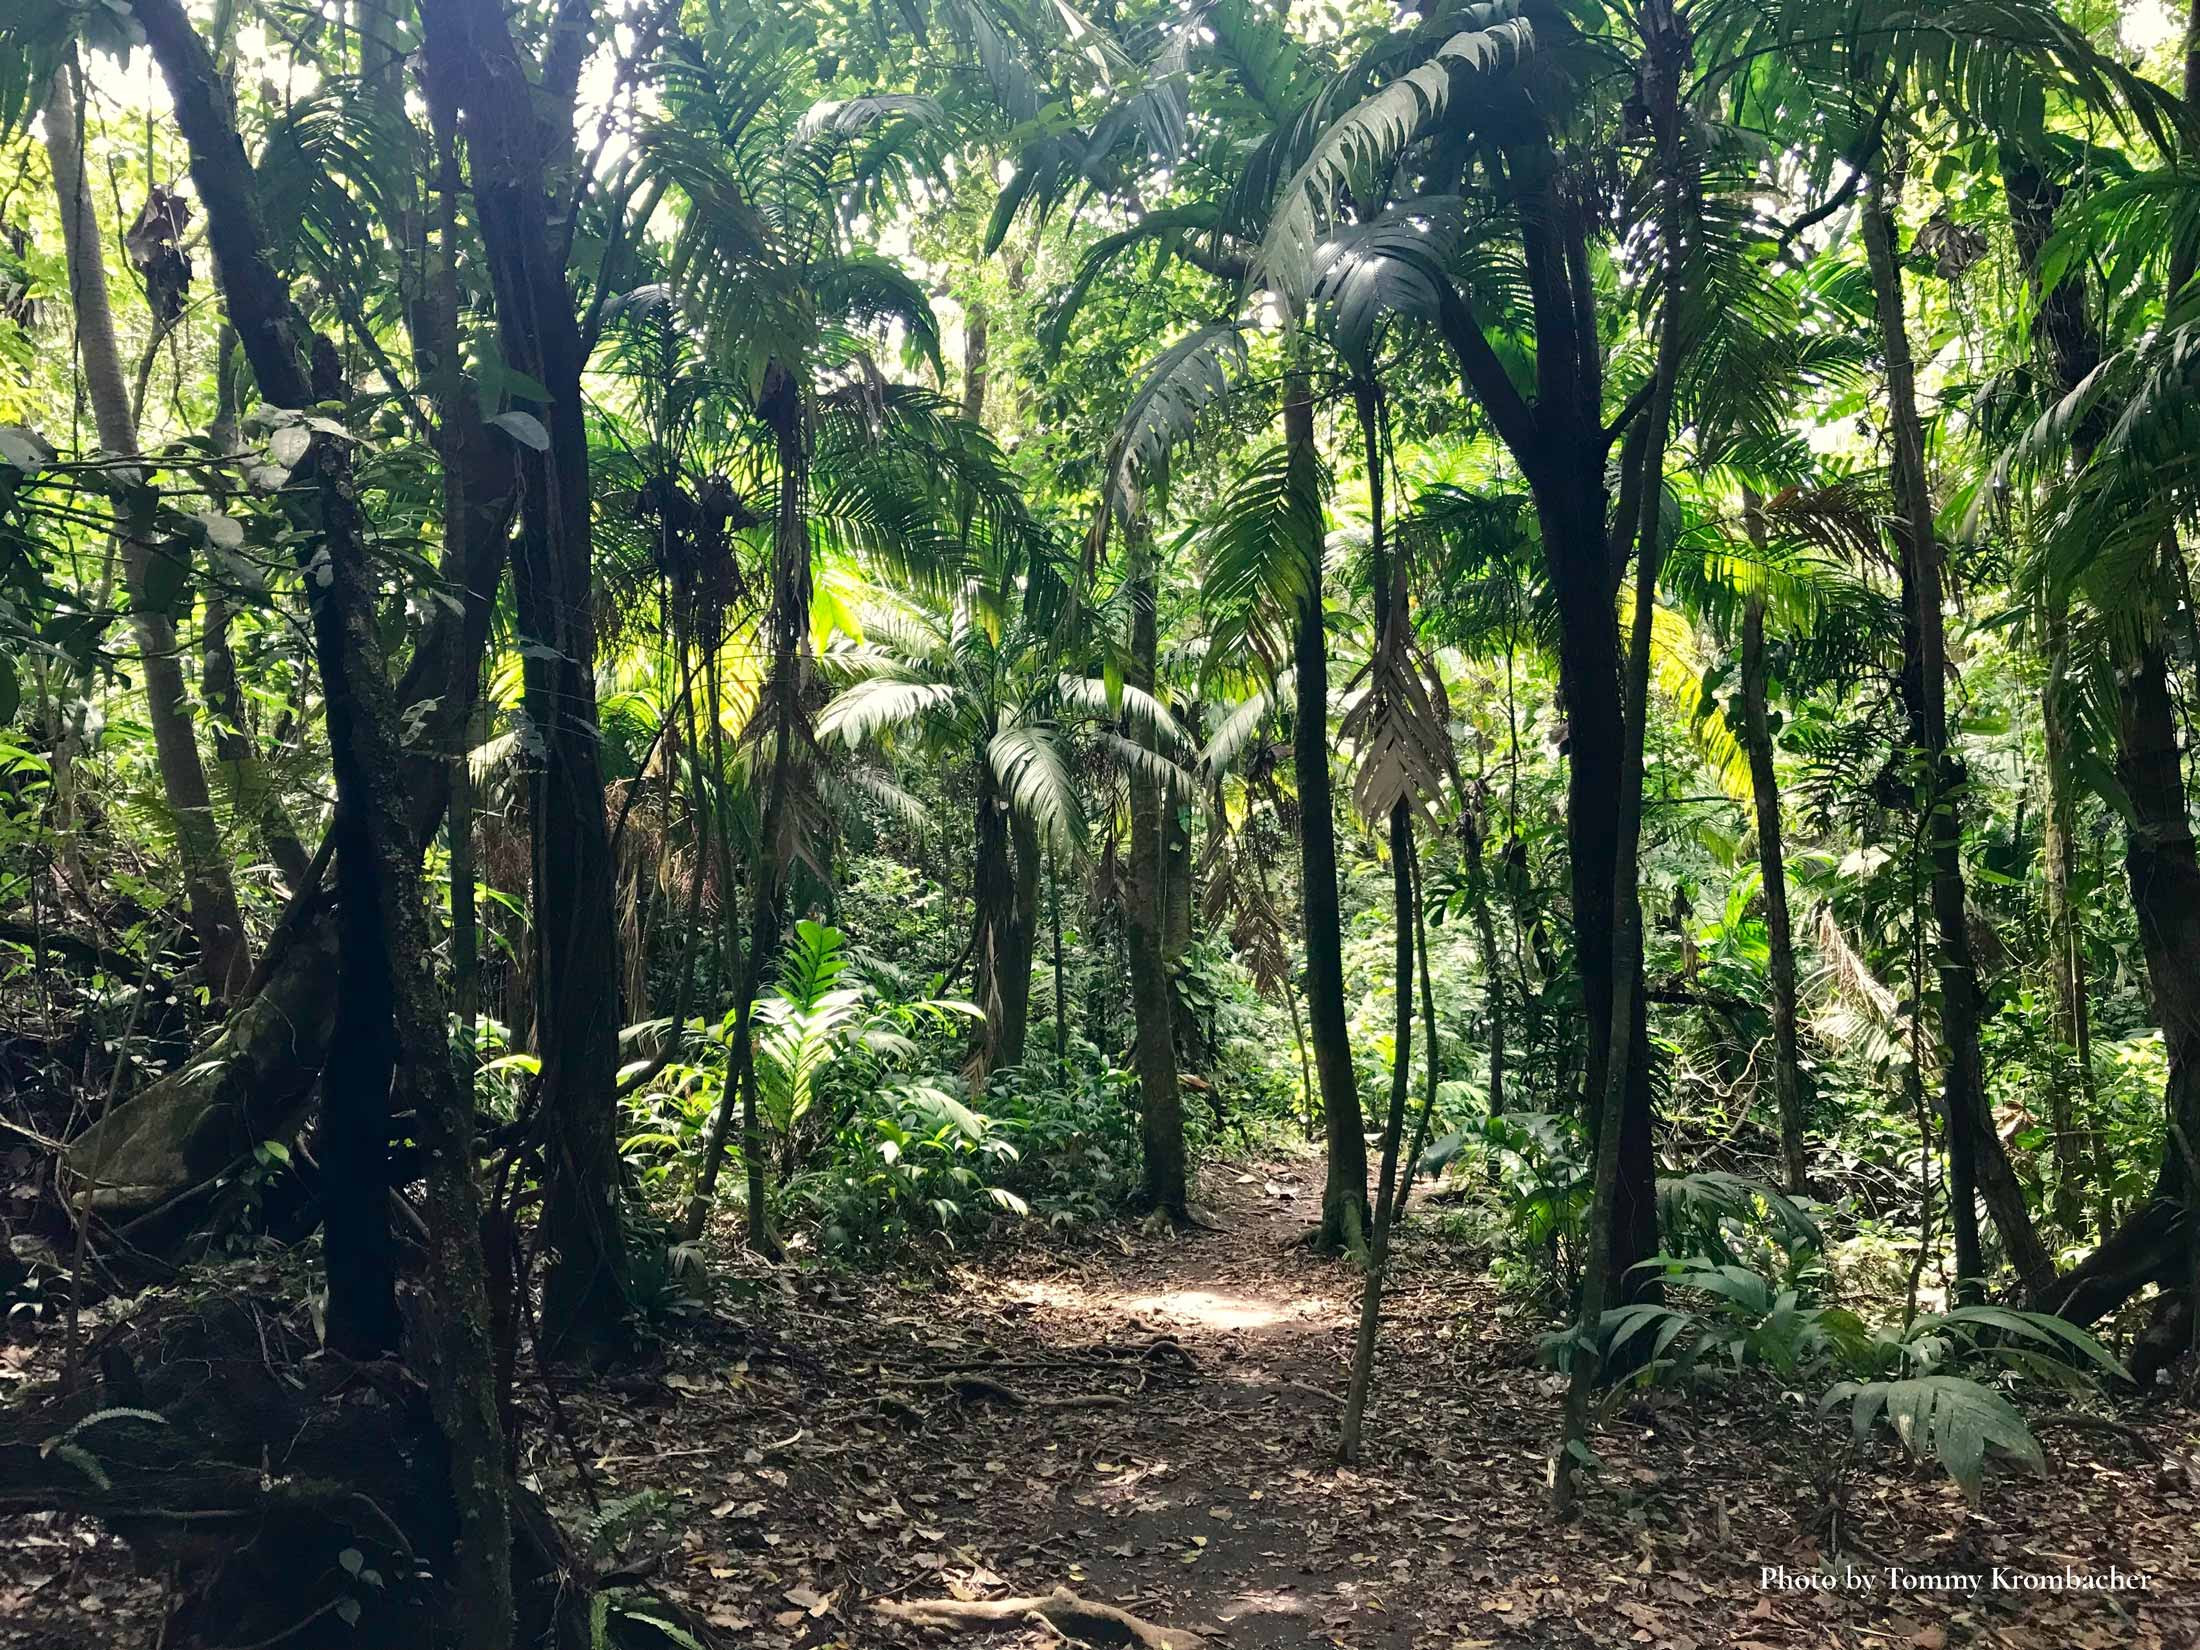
column 1158, row 823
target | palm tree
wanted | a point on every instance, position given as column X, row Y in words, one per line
column 991, row 698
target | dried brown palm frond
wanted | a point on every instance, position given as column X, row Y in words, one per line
column 1403, row 740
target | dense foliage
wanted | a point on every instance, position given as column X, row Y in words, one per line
column 958, row 608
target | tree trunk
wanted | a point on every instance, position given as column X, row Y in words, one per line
column 1345, row 1224
column 993, row 889
column 2068, row 349
column 2066, row 945
column 1977, row 1165
column 1161, row 1101
column 1474, row 835
column 1391, row 629
column 1024, row 942
column 210, row 897
column 1412, row 1159
column 1061, row 978
column 1589, row 674
column 2160, row 1240
column 1666, row 51
column 584, row 1304
column 780, row 734
column 251, row 794
column 1764, row 781
column 389, row 993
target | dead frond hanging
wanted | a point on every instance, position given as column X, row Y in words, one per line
column 1404, row 745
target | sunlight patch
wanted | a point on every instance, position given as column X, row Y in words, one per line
column 1204, row 1306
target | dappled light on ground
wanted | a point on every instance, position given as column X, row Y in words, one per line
column 1211, row 1309
column 1216, row 1310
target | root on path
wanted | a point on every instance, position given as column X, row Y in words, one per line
column 1069, row 1615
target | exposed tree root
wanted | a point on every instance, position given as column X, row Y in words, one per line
column 969, row 1387
column 290, row 1499
column 1069, row 1615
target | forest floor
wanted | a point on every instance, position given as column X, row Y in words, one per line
column 1148, row 1419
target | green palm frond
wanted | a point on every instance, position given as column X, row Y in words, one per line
column 843, row 118
column 1391, row 265
column 1183, row 380
column 1942, row 1417
column 1235, row 733
column 1028, row 764
column 1139, row 710
column 1262, row 548
column 1365, row 139
column 862, row 712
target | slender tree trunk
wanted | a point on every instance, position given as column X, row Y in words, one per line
column 251, row 792
column 1474, row 836
column 1391, row 630
column 210, row 897
column 1024, row 946
column 977, row 335
column 781, row 739
column 993, row 902
column 382, row 916
column 1764, row 781
column 465, row 922
column 1977, row 1163
column 1005, row 893
column 1345, row 1223
column 1061, row 979
column 2067, row 347
column 2066, row 943
column 1161, row 1101
column 1666, row 52
column 1422, row 1124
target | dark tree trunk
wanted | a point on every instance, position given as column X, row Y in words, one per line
column 1576, row 545
column 1474, row 835
column 1024, row 943
column 1561, row 443
column 1161, row 1101
column 1977, row 1164
column 1666, row 52
column 1764, row 782
column 781, row 741
column 2066, row 946
column 1392, row 624
column 2068, row 349
column 391, row 1013
column 1421, row 1125
column 993, row 942
column 1345, row 1223
column 2160, row 1240
column 511, row 128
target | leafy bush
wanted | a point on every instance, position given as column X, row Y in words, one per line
column 923, row 1162
column 1926, row 1376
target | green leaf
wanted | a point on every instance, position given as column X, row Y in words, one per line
column 524, row 428
column 1942, row 1417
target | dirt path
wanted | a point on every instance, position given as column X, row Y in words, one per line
column 1173, row 1454
column 1149, row 1420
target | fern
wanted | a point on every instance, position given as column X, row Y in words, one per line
column 615, row 1520
column 1942, row 1417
